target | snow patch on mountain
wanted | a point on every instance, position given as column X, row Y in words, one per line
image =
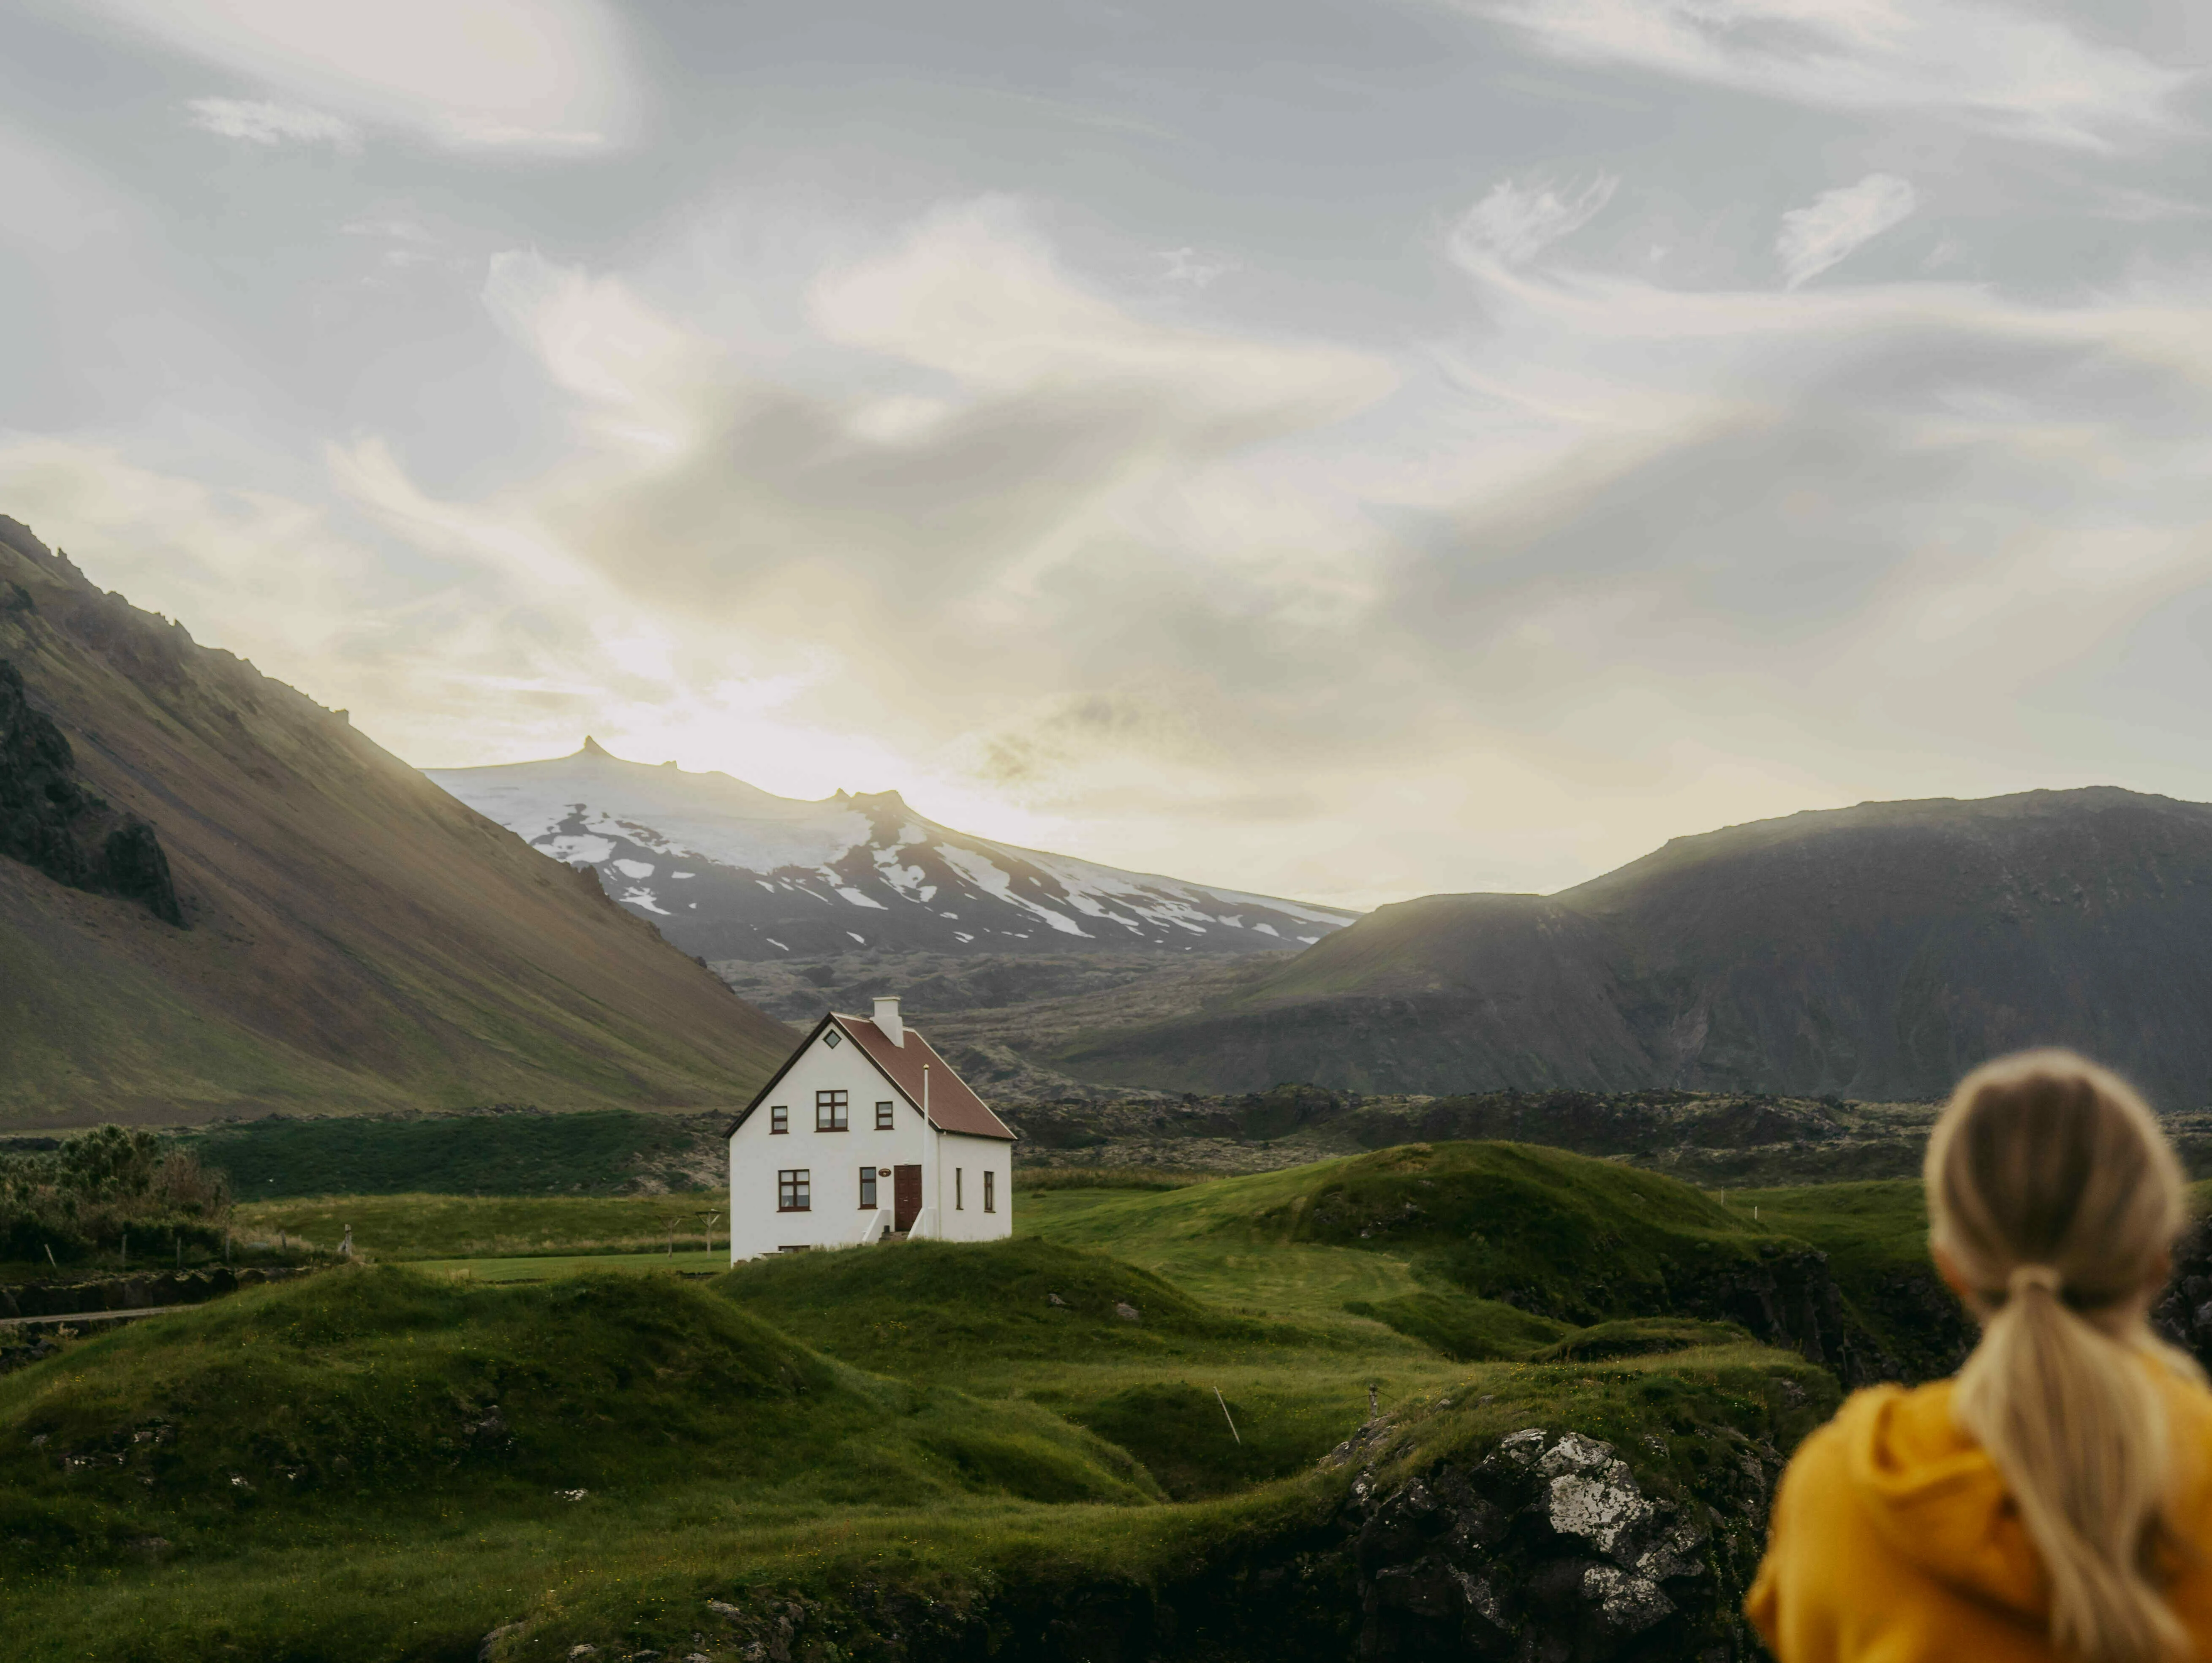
column 773, row 875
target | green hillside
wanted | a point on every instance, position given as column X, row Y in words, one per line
column 1125, row 1407
column 345, row 935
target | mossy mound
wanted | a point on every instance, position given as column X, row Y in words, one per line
column 365, row 1396
column 1463, row 1327
column 1581, row 1240
column 933, row 1307
column 1196, row 1441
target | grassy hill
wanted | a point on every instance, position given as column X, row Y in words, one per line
column 350, row 938
column 1110, row 1436
column 377, row 1464
column 1876, row 952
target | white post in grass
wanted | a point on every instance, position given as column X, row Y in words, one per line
column 930, row 1153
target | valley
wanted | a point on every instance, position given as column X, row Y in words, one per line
column 390, row 1317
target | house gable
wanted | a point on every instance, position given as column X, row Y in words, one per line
column 953, row 1107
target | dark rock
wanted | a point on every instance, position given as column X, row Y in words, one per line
column 1548, row 1546
column 50, row 821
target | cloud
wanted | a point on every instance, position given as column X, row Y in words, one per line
column 543, row 77
column 938, row 507
column 1625, row 562
column 1991, row 66
column 1836, row 222
column 1516, row 223
column 258, row 122
column 1188, row 265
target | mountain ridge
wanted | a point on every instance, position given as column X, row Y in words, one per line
column 729, row 871
column 1874, row 952
column 354, row 938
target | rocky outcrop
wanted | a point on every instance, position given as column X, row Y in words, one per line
column 49, row 819
column 1543, row 1547
column 1548, row 1548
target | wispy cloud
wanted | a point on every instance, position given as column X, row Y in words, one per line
column 1515, row 222
column 544, row 76
column 1836, row 222
column 259, row 122
column 1990, row 65
column 1188, row 265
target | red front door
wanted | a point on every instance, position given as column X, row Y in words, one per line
column 906, row 1194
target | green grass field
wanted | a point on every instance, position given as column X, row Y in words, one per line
column 389, row 1228
column 544, row 1266
column 328, row 1480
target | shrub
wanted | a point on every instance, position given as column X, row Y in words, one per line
column 85, row 1197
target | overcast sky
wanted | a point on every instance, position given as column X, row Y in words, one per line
column 1345, row 448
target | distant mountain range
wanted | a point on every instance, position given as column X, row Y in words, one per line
column 1873, row 953
column 216, row 897
column 727, row 870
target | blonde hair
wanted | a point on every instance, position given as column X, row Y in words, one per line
column 2057, row 1199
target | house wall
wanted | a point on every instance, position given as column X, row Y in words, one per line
column 962, row 1161
column 834, row 1161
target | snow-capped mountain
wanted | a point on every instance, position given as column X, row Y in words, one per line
column 730, row 871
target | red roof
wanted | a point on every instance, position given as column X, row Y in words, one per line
column 952, row 1106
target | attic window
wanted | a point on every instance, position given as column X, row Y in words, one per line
column 833, row 1039
column 778, row 1119
column 884, row 1118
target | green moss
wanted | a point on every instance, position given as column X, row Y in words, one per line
column 1463, row 1327
column 1196, row 1442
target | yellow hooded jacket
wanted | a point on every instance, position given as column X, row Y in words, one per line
column 1894, row 1541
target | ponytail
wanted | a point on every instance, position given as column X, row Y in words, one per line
column 2054, row 1196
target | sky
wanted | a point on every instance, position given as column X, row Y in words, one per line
column 1346, row 449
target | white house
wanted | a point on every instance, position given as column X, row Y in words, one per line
column 864, row 1132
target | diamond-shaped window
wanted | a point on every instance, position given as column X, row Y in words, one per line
column 833, row 1039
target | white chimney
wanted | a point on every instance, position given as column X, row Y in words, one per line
column 887, row 1018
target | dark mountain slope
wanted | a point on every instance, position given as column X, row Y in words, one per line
column 1874, row 952
column 348, row 936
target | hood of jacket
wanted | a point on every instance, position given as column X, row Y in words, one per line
column 1938, row 1500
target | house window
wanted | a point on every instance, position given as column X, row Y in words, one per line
column 832, row 1110
column 883, row 1120
column 779, row 1119
column 867, row 1189
column 990, row 1192
column 833, row 1039
column 795, row 1189
column 959, row 1172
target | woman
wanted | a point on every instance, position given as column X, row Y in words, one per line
column 2053, row 1501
